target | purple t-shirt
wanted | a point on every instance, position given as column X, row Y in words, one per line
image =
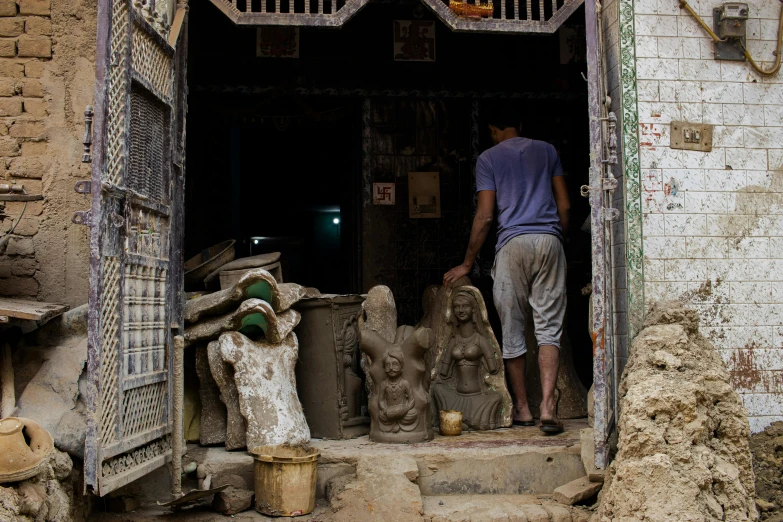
column 520, row 171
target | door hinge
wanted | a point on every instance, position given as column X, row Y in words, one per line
column 83, row 187
column 82, row 218
column 610, row 214
column 87, row 140
column 606, row 184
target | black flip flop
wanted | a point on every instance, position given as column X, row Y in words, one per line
column 531, row 422
column 551, row 426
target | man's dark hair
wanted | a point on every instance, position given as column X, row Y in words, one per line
column 503, row 117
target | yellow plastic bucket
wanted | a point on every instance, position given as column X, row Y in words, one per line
column 285, row 480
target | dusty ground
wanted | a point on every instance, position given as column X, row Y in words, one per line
column 767, row 448
column 683, row 453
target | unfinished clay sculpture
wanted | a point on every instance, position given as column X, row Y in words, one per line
column 470, row 369
column 399, row 404
column 252, row 317
column 223, row 373
column 352, row 383
column 255, row 284
column 213, row 411
column 24, row 449
column 266, row 384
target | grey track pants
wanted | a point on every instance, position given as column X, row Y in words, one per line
column 530, row 268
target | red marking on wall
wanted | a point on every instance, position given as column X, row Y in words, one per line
column 744, row 373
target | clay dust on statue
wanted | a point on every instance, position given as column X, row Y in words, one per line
column 266, row 385
column 213, row 411
column 223, row 373
column 399, row 402
column 253, row 316
column 470, row 376
column 255, row 284
column 435, row 303
column 379, row 314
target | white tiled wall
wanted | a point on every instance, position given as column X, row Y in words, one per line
column 713, row 222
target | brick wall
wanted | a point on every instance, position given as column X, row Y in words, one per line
column 46, row 80
column 712, row 222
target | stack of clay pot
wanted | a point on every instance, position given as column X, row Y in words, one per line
column 245, row 356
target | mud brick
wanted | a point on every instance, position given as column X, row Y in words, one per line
column 9, row 147
column 11, row 26
column 33, row 148
column 27, row 227
column 7, row 48
column 19, row 286
column 35, row 46
column 34, row 69
column 35, row 7
column 36, row 107
column 10, row 106
column 26, row 129
column 7, row 86
column 32, row 89
column 9, row 69
column 20, row 246
column 24, row 266
column 38, row 26
column 29, row 168
column 7, row 7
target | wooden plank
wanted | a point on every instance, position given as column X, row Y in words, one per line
column 30, row 310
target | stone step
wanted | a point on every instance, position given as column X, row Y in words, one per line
column 500, row 508
column 500, row 462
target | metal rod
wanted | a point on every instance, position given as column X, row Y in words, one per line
column 502, row 9
column 9, row 395
column 178, row 430
column 529, row 9
column 541, row 10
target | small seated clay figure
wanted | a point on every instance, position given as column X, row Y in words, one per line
column 397, row 406
column 460, row 385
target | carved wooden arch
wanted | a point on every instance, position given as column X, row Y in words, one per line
column 326, row 13
column 514, row 16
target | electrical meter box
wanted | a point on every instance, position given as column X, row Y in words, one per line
column 732, row 20
column 729, row 23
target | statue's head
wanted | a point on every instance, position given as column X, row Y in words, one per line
column 465, row 308
column 392, row 362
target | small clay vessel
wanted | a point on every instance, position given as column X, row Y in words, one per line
column 450, row 423
column 20, row 460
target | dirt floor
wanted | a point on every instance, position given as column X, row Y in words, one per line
column 767, row 448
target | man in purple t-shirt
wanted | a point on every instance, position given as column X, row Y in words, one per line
column 525, row 179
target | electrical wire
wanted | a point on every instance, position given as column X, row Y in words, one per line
column 776, row 66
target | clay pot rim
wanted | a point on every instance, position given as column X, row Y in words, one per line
column 34, row 469
column 10, row 430
column 271, row 454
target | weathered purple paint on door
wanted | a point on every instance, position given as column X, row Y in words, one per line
column 135, row 301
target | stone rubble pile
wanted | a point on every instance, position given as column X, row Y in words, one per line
column 683, row 450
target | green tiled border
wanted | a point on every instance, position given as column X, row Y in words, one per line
column 632, row 171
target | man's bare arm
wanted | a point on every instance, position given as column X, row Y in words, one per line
column 478, row 234
column 562, row 200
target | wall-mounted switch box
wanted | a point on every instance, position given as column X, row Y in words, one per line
column 691, row 136
column 729, row 23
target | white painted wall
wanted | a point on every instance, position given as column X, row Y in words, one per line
column 713, row 222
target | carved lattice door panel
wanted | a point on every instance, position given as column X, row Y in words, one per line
column 135, row 243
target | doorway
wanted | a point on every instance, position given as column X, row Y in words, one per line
column 316, row 132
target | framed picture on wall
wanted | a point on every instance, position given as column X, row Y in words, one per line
column 277, row 42
column 424, row 194
column 414, row 40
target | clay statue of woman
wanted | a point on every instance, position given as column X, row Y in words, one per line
column 461, row 385
column 396, row 400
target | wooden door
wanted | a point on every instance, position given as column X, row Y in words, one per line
column 135, row 297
